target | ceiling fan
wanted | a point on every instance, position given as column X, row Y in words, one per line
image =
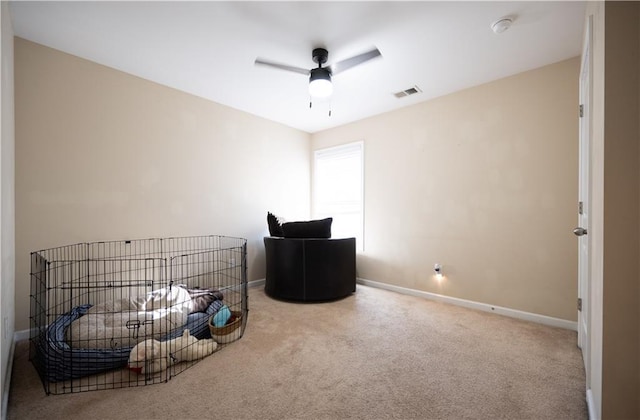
column 320, row 77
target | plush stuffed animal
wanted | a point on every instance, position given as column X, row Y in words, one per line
column 151, row 356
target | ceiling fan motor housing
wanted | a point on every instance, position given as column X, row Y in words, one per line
column 320, row 56
column 320, row 73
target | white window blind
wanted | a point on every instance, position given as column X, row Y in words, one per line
column 338, row 190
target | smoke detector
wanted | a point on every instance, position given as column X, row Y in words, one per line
column 501, row 25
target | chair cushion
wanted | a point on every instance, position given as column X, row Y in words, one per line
column 311, row 229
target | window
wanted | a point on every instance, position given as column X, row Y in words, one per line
column 338, row 190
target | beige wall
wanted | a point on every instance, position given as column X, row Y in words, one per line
column 7, row 199
column 621, row 284
column 104, row 155
column 483, row 181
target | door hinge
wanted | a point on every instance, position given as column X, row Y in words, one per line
column 580, row 209
column 579, row 304
column 581, row 110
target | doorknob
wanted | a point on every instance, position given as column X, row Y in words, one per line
column 579, row 231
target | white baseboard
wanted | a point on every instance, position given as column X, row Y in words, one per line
column 256, row 283
column 513, row 313
column 21, row 335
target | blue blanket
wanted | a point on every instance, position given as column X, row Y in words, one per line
column 56, row 361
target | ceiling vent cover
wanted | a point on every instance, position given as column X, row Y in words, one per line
column 407, row 92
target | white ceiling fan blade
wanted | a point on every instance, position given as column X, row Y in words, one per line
column 282, row 66
column 343, row 65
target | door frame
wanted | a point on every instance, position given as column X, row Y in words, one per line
column 584, row 183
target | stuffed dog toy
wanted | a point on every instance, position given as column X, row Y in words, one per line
column 151, row 356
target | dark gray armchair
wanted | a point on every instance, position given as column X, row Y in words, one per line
column 310, row 269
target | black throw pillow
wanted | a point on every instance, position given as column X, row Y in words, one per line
column 310, row 229
column 275, row 228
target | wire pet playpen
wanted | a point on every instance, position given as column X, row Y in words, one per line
column 91, row 303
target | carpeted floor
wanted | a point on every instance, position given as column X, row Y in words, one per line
column 373, row 355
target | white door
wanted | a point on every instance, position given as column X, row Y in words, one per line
column 582, row 230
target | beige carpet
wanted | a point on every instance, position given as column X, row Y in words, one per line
column 374, row 355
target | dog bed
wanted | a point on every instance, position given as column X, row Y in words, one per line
column 125, row 322
column 57, row 361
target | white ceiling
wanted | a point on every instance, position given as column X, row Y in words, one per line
column 208, row 48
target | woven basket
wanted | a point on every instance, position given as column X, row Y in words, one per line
column 228, row 332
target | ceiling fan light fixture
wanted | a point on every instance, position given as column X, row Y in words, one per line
column 320, row 85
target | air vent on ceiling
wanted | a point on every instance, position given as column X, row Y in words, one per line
column 407, row 92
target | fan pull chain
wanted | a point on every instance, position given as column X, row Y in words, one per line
column 311, row 105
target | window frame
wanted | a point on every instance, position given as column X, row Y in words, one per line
column 338, row 151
